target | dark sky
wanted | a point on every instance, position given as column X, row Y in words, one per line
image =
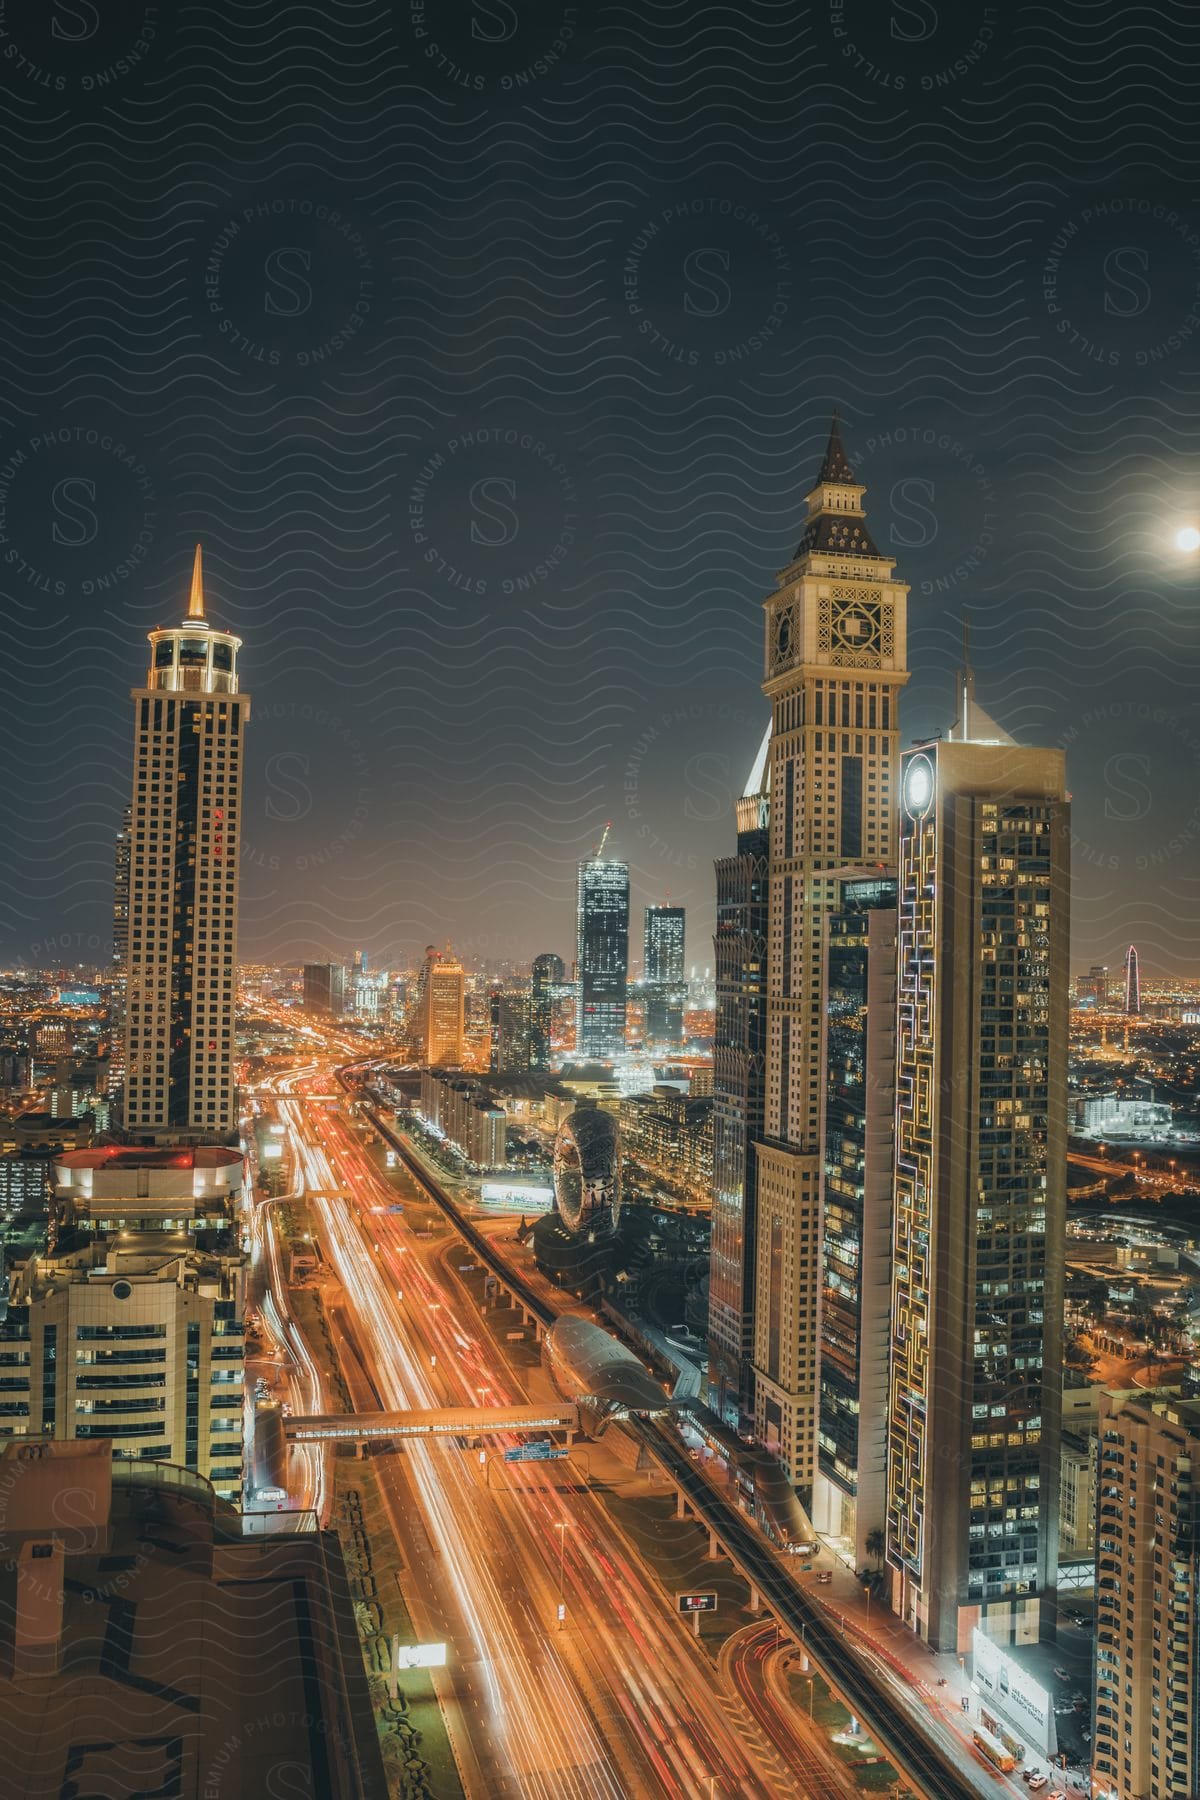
column 490, row 348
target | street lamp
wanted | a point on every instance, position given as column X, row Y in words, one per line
column 867, row 1592
column 810, row 1696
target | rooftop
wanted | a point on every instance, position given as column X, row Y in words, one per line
column 151, row 1648
column 126, row 1156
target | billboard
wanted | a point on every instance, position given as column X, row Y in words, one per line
column 1022, row 1701
column 418, row 1656
column 517, row 1196
column 696, row 1603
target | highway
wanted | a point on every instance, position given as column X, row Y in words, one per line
column 619, row 1701
column 932, row 1756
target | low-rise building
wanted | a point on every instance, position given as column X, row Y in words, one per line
column 671, row 1133
column 136, row 1342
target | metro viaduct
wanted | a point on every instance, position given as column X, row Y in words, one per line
column 859, row 1679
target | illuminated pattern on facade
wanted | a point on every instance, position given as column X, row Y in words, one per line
column 603, row 959
column 980, row 1181
column 183, row 879
column 1133, row 986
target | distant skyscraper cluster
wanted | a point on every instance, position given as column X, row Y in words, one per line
column 889, row 1074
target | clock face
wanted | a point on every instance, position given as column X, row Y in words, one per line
column 856, row 626
column 783, row 636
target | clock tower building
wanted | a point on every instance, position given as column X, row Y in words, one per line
column 835, row 664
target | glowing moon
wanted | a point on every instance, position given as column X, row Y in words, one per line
column 1188, row 539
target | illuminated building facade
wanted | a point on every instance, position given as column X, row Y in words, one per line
column 190, row 722
column 602, row 918
column 858, row 1100
column 441, row 1009
column 1133, row 986
column 835, row 664
column 548, row 976
column 979, row 1213
column 120, row 957
column 135, row 1332
column 511, row 1041
column 739, row 1090
column 1147, row 1714
column 663, row 975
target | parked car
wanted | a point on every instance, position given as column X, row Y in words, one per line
column 1061, row 1675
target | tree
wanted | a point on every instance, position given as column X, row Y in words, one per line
column 876, row 1544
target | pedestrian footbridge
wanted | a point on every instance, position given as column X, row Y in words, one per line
column 429, row 1422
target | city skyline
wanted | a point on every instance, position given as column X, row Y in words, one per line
column 532, row 1258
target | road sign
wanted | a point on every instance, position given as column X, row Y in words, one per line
column 696, row 1603
column 541, row 1452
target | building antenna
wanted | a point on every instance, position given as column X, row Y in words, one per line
column 966, row 680
column 598, row 850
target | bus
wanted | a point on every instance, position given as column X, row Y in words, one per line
column 997, row 1753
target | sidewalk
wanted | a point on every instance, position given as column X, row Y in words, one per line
column 941, row 1679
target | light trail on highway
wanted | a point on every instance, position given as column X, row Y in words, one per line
column 620, row 1702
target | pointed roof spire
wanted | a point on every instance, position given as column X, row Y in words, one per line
column 836, row 466
column 196, row 597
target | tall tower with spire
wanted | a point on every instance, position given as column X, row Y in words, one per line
column 181, row 967
column 835, row 664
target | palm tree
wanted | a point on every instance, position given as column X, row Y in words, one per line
column 876, row 1544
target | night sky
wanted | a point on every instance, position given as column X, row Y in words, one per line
column 490, row 349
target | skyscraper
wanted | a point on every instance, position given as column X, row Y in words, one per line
column 858, row 1067
column 120, row 959
column 739, row 1089
column 324, row 988
column 602, row 922
column 190, row 722
column 441, row 1007
column 548, row 974
column 979, row 1220
column 662, row 973
column 510, row 1008
column 1133, row 986
column 1147, row 1744
column 835, row 662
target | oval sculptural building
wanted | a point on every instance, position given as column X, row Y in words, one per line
column 587, row 1171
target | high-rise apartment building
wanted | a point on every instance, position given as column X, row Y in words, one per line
column 441, row 1009
column 739, row 1090
column 190, row 722
column 1147, row 1717
column 548, row 976
column 602, row 958
column 979, row 1221
column 120, row 959
column 835, row 664
column 663, row 975
column 325, row 988
column 857, row 1119
column 510, row 1010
